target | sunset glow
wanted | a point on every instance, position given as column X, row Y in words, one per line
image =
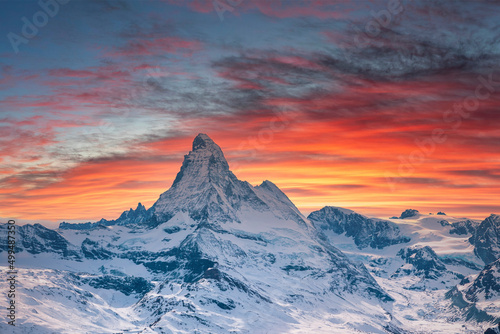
column 99, row 108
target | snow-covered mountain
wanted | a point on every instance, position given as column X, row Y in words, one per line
column 217, row 255
column 486, row 239
column 478, row 296
column 421, row 262
column 36, row 239
column 365, row 232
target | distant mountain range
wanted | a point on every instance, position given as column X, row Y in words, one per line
column 217, row 255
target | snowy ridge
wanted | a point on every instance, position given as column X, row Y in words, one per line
column 366, row 232
column 486, row 239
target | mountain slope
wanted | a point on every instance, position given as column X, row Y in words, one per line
column 205, row 188
column 478, row 296
column 217, row 255
column 251, row 241
column 486, row 239
column 366, row 232
column 36, row 239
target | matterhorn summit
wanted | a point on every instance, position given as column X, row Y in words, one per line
column 206, row 189
column 204, row 164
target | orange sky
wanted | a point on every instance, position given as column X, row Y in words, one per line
column 314, row 168
column 302, row 95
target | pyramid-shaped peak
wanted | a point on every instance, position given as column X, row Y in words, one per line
column 203, row 141
column 206, row 188
column 204, row 146
column 205, row 162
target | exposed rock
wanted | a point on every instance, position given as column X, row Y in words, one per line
column 409, row 213
column 140, row 217
column 444, row 223
column 495, row 330
column 92, row 250
column 365, row 231
column 37, row 239
column 470, row 295
column 486, row 239
column 424, row 262
column 487, row 284
column 127, row 285
column 464, row 227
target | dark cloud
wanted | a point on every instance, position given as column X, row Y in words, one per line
column 30, row 180
column 486, row 174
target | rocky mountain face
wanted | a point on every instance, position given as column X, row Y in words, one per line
column 495, row 330
column 478, row 297
column 486, row 286
column 409, row 213
column 36, row 239
column 423, row 262
column 139, row 217
column 486, row 239
column 365, row 232
column 95, row 250
column 206, row 189
column 464, row 227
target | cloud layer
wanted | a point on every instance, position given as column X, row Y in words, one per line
column 377, row 106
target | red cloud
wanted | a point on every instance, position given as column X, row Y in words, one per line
column 66, row 72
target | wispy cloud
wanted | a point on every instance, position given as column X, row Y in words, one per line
column 302, row 93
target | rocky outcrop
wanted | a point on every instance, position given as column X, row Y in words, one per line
column 424, row 262
column 36, row 239
column 364, row 231
column 409, row 213
column 486, row 239
column 476, row 298
column 92, row 250
column 140, row 217
column 464, row 227
column 486, row 286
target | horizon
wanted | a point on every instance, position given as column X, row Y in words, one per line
column 55, row 224
column 100, row 102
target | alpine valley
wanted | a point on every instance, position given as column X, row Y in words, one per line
column 217, row 255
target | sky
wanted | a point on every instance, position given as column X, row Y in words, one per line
column 376, row 106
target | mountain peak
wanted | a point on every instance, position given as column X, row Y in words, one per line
column 409, row 213
column 140, row 207
column 207, row 189
column 203, row 141
column 205, row 162
column 204, row 149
